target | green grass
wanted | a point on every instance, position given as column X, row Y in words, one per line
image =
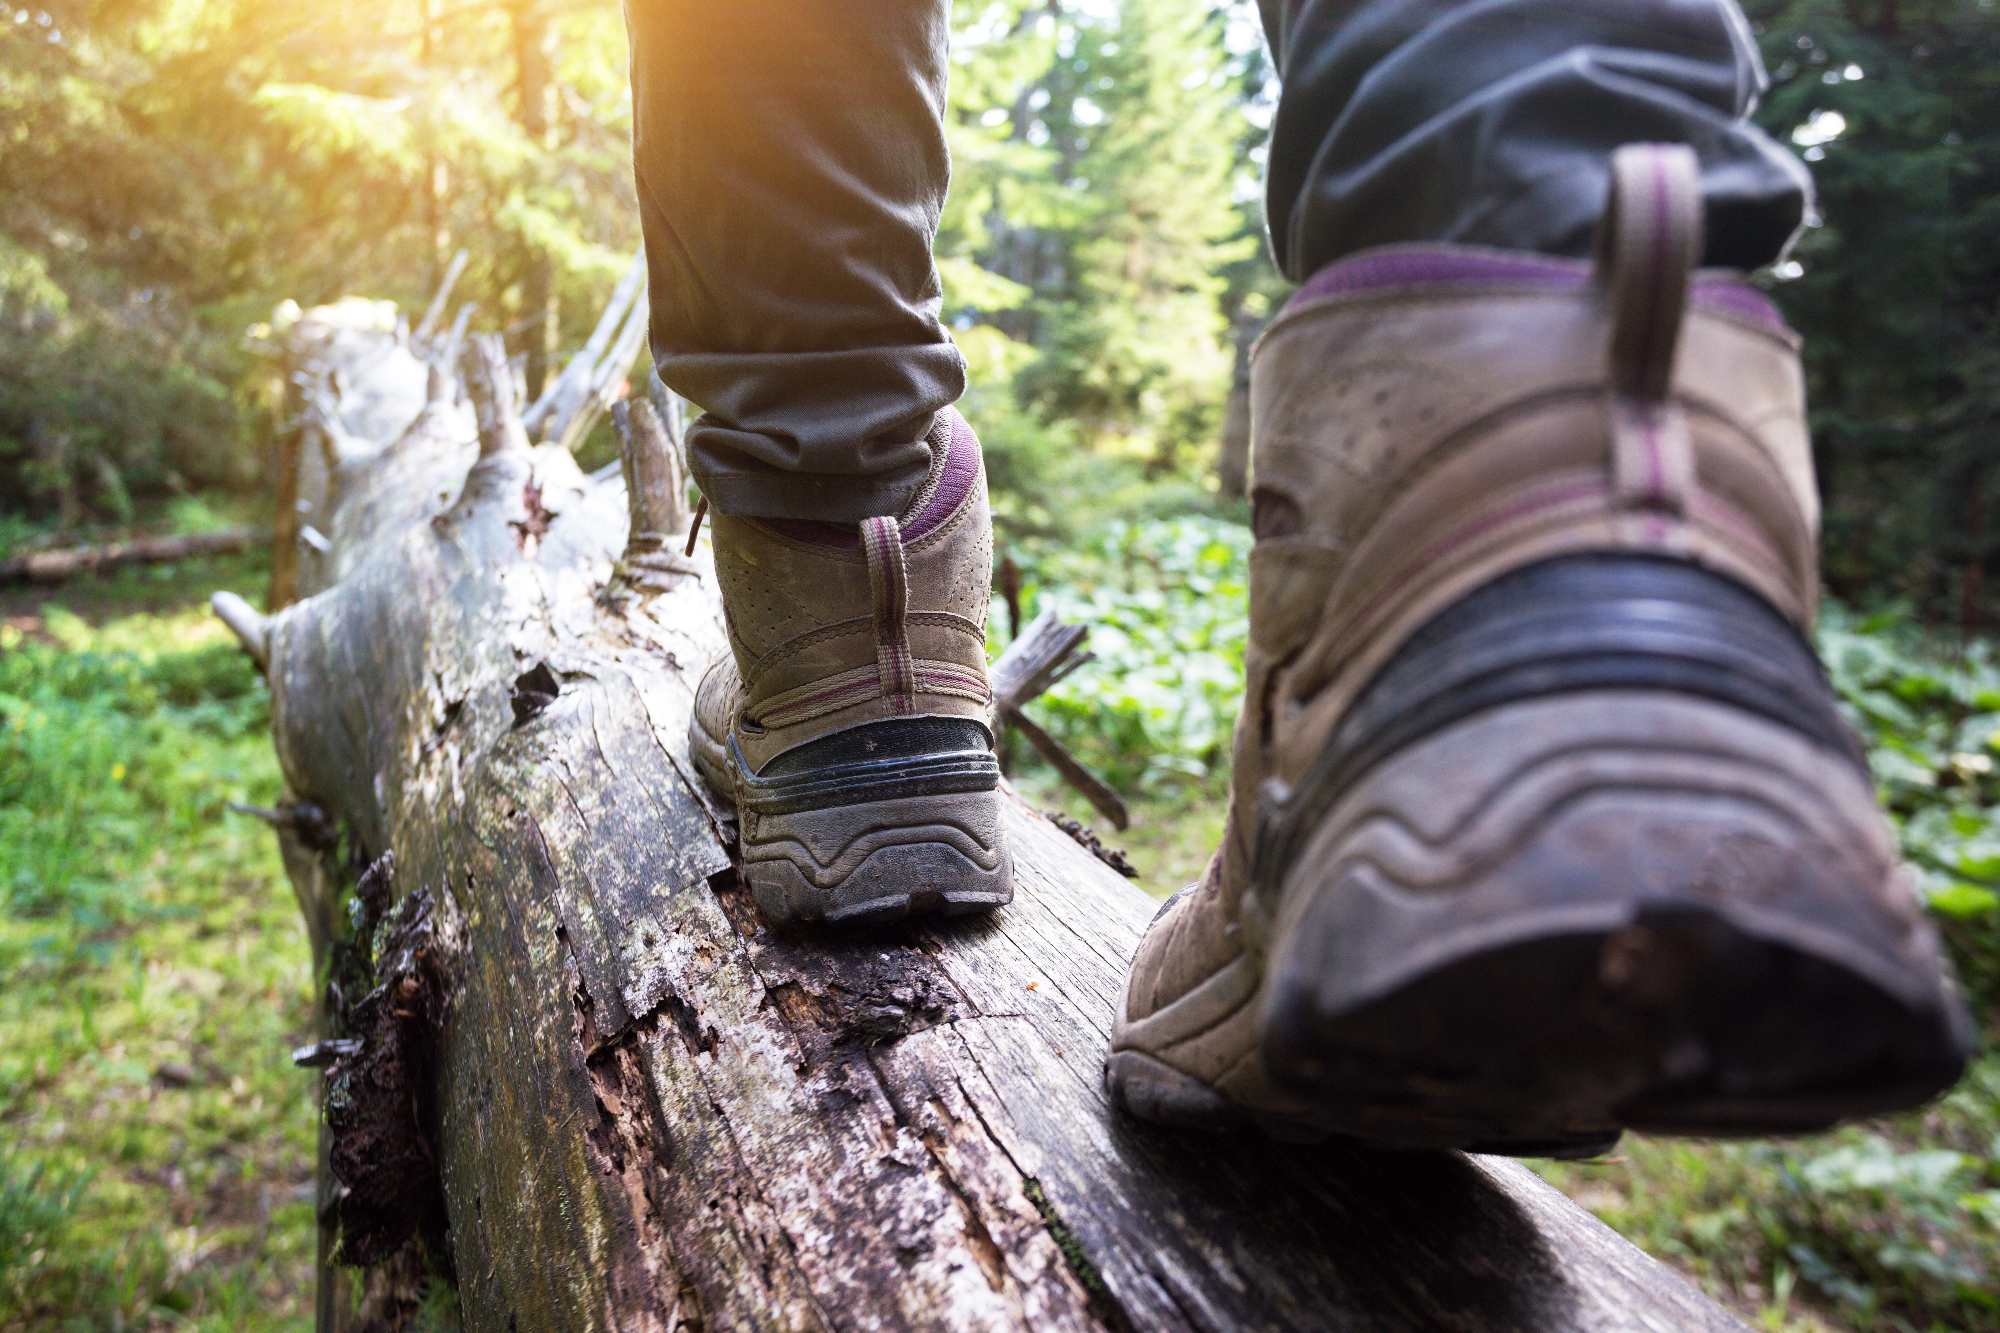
column 1890, row 1225
column 156, row 1146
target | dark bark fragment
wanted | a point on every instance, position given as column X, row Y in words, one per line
column 1087, row 839
column 380, row 1094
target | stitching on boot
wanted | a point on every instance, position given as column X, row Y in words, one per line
column 862, row 684
column 858, row 625
column 839, row 629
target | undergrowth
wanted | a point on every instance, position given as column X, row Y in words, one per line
column 156, row 1147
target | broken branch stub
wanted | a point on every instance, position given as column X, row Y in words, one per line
column 1074, row 771
column 554, row 415
column 442, row 359
column 490, row 381
column 1031, row 663
column 250, row 628
column 604, row 383
column 428, row 325
column 1038, row 657
column 655, row 494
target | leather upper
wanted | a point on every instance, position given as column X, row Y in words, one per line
column 1432, row 437
column 1428, row 418
column 831, row 628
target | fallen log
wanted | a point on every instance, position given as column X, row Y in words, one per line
column 61, row 563
column 569, row 1069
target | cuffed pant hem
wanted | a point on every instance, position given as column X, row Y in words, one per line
column 825, row 497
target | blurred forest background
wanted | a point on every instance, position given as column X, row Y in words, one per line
column 171, row 171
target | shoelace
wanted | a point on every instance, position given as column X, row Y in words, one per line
column 694, row 529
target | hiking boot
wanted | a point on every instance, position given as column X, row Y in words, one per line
column 849, row 724
column 1544, row 822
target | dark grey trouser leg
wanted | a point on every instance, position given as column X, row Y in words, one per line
column 1491, row 122
column 791, row 164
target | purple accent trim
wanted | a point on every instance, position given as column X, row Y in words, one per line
column 840, row 697
column 1368, row 272
column 866, row 689
column 1416, row 268
column 961, row 465
column 1656, row 472
column 933, row 675
column 1741, row 300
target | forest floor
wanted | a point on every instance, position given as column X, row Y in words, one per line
column 157, row 1146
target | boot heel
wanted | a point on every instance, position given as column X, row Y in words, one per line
column 1596, row 849
column 875, row 822
column 875, row 861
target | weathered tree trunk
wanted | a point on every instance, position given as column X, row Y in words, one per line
column 570, row 1063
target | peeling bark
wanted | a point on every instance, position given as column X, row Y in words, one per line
column 650, row 1111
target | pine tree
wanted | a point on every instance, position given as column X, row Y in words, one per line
column 173, row 170
column 1896, row 104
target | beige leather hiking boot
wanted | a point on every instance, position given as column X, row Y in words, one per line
column 1544, row 822
column 850, row 723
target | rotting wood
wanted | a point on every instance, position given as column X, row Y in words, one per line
column 56, row 565
column 649, row 1111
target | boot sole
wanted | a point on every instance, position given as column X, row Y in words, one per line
column 1594, row 851
column 877, row 861
column 1668, row 916
column 864, row 842
column 1153, row 1090
column 1653, row 921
